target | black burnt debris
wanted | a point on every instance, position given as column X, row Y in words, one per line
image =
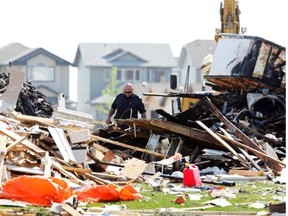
column 33, row 102
column 30, row 101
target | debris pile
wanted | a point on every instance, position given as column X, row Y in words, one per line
column 241, row 124
column 38, row 155
column 239, row 128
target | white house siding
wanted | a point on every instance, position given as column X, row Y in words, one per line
column 193, row 54
column 83, row 84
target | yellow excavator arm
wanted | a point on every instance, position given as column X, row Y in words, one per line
column 229, row 16
column 229, row 13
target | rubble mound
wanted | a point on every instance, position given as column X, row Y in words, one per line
column 30, row 101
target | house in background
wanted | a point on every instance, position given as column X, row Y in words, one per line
column 47, row 72
column 192, row 55
column 147, row 66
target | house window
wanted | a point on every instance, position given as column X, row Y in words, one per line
column 158, row 76
column 128, row 74
column 137, row 75
column 40, row 72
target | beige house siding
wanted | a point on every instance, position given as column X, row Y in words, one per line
column 23, row 57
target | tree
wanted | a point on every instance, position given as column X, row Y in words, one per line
column 109, row 93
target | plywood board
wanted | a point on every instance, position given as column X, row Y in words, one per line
column 79, row 136
column 133, row 168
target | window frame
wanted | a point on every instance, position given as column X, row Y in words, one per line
column 40, row 72
column 122, row 74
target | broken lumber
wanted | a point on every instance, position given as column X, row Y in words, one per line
column 27, row 143
column 127, row 146
column 246, row 140
column 222, row 142
column 70, row 210
column 272, row 162
column 66, row 173
column 242, row 150
column 16, row 142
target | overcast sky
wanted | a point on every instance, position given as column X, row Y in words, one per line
column 60, row 25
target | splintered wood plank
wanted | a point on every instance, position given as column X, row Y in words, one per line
column 27, row 143
column 97, row 179
column 272, row 163
column 127, row 146
column 236, row 131
column 133, row 168
column 108, row 157
column 71, row 210
column 78, row 170
column 259, row 154
column 222, row 142
column 16, row 142
column 184, row 130
column 34, row 119
column 238, row 82
column 62, row 113
column 62, row 143
column 66, row 173
column 246, row 172
column 250, row 159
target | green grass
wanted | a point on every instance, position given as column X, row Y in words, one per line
column 248, row 193
column 29, row 210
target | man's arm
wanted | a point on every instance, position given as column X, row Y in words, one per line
column 142, row 109
column 108, row 119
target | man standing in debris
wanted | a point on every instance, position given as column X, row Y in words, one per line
column 127, row 105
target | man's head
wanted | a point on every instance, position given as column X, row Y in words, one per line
column 128, row 89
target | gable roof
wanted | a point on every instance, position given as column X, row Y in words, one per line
column 18, row 54
column 11, row 50
column 150, row 55
column 196, row 51
column 120, row 53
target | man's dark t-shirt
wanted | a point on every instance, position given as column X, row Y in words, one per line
column 125, row 105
